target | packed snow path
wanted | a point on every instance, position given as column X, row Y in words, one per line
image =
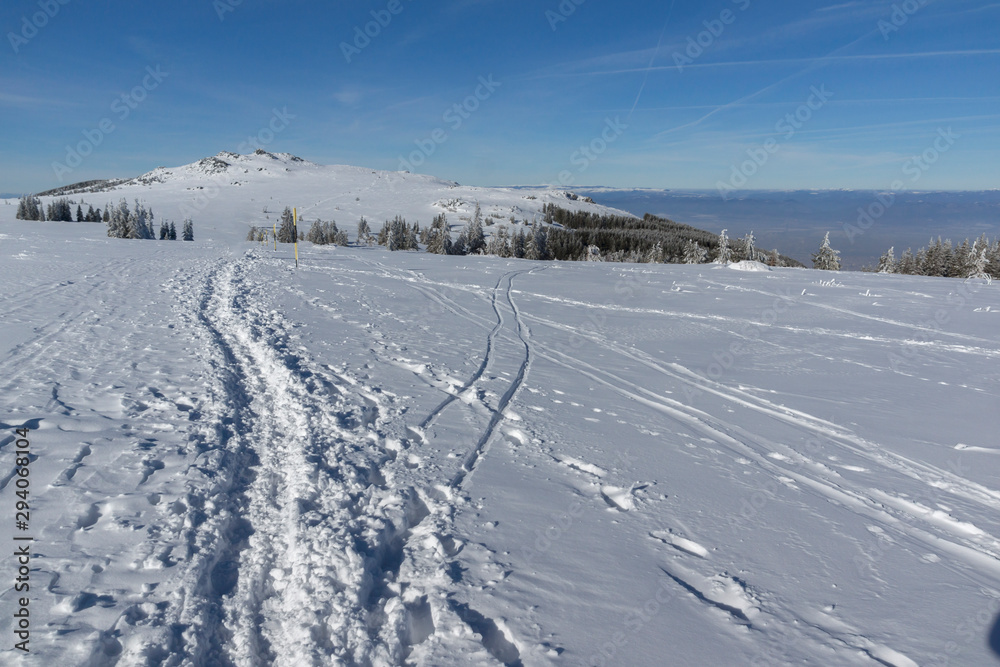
column 396, row 458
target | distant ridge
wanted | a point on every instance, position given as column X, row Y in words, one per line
column 227, row 193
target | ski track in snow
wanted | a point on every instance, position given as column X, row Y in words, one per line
column 967, row 549
column 306, row 525
column 478, row 450
column 413, row 586
column 973, row 547
column 487, row 357
column 820, row 478
column 321, row 489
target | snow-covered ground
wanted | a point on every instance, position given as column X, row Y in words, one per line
column 399, row 458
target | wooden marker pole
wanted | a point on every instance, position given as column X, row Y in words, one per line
column 276, row 236
column 295, row 227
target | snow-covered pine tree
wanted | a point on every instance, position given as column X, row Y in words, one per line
column 654, row 255
column 188, row 230
column 65, row 211
column 537, row 244
column 337, row 236
column 393, row 240
column 364, row 232
column 439, row 236
column 79, row 213
column 749, row 250
column 136, row 227
column 119, row 220
column 57, row 211
column 993, row 268
column 907, row 264
column 286, row 230
column 826, row 259
column 140, row 224
column 549, row 215
column 317, row 234
column 518, row 241
column 979, row 260
column 593, row 254
column 693, row 253
column 460, row 246
column 499, row 243
column 410, row 234
column 398, row 234
column 887, row 262
column 148, row 231
column 22, row 209
column 164, row 230
column 531, row 246
column 173, row 232
column 724, row 254
column 475, row 238
column 956, row 264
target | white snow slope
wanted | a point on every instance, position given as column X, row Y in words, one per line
column 228, row 193
column 399, row 458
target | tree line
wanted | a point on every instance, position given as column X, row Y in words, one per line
column 122, row 221
column 578, row 235
column 566, row 235
column 58, row 210
column 978, row 259
column 125, row 223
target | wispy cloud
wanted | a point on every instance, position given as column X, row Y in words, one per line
column 652, row 59
column 798, row 61
column 27, row 102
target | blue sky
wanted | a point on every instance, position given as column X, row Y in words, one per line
column 662, row 94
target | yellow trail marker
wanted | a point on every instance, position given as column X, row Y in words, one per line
column 275, row 235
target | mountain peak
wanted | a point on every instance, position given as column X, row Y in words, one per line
column 232, row 158
column 228, row 191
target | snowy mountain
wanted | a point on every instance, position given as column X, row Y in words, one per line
column 227, row 193
column 412, row 459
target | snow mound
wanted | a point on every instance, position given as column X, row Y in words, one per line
column 747, row 265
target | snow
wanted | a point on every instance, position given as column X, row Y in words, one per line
column 228, row 193
column 400, row 458
column 747, row 265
